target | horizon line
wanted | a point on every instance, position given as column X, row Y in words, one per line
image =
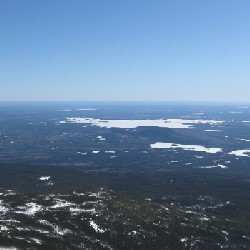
column 203, row 101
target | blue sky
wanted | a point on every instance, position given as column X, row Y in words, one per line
column 140, row 50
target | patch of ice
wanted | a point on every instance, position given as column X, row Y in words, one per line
column 167, row 123
column 212, row 130
column 96, row 227
column 209, row 167
column 82, row 153
column 245, row 140
column 243, row 153
column 186, row 147
column 199, row 156
column 110, row 151
column 222, row 166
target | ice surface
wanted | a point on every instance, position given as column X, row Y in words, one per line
column 186, row 147
column 222, row 166
column 243, row 152
column 212, row 130
column 168, row 123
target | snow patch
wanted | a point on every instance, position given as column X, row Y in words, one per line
column 61, row 204
column 96, row 227
column 30, row 209
column 44, row 178
column 37, row 241
column 209, row 167
column 101, row 138
column 3, row 208
column 186, row 147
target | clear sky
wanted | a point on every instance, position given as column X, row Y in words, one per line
column 125, row 50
